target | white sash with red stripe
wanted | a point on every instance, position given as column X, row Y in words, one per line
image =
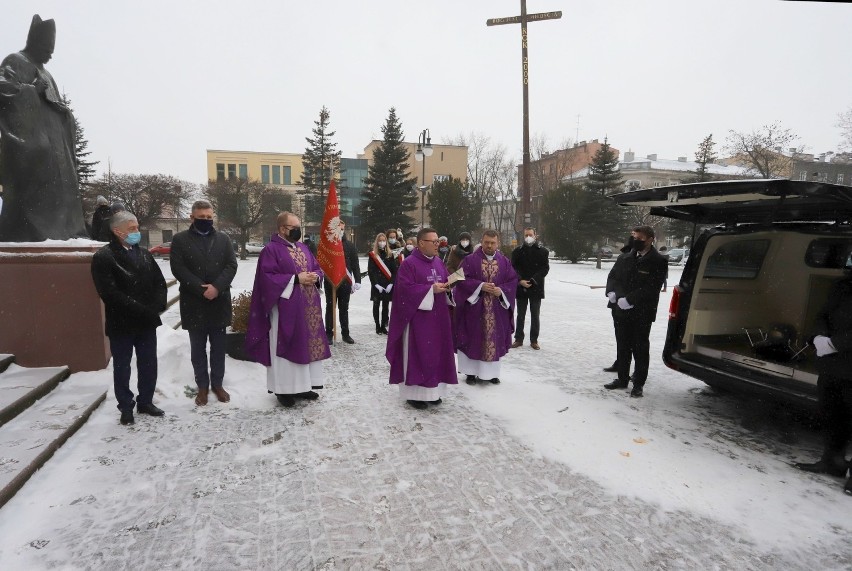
column 384, row 269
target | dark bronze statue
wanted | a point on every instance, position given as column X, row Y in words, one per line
column 37, row 160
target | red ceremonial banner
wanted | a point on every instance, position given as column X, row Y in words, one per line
column 330, row 248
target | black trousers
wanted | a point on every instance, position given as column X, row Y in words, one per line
column 343, row 294
column 633, row 338
column 385, row 303
column 835, row 407
column 122, row 347
column 535, row 308
column 198, row 354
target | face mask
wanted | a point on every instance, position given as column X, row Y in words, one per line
column 465, row 243
column 639, row 245
column 203, row 225
column 409, row 247
column 392, row 241
column 133, row 238
column 382, row 245
column 529, row 240
column 295, row 234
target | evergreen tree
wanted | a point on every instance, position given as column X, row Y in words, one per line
column 601, row 217
column 452, row 209
column 562, row 221
column 85, row 169
column 704, row 156
column 320, row 163
column 390, row 192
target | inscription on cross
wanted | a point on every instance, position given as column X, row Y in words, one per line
column 523, row 19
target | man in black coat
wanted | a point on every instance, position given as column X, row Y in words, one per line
column 133, row 290
column 833, row 344
column 531, row 261
column 344, row 290
column 204, row 263
column 633, row 290
column 100, row 219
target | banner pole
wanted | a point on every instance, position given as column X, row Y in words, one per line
column 333, row 314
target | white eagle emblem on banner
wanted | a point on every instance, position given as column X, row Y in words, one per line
column 333, row 232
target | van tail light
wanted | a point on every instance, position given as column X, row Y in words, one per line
column 674, row 305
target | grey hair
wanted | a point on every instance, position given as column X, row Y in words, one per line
column 201, row 205
column 120, row 218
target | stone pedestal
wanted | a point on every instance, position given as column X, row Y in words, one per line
column 50, row 313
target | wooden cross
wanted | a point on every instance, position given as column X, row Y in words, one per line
column 522, row 20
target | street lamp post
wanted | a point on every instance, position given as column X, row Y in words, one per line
column 424, row 149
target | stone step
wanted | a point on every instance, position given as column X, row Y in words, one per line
column 5, row 361
column 31, row 438
column 21, row 386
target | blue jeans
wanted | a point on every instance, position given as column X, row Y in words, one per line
column 198, row 354
column 122, row 347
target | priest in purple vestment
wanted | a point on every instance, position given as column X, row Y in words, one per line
column 485, row 303
column 420, row 335
column 285, row 328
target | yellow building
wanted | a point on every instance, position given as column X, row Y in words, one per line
column 447, row 161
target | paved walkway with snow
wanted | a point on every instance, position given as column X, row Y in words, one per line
column 545, row 471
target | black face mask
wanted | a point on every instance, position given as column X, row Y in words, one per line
column 639, row 245
column 203, row 225
column 295, row 234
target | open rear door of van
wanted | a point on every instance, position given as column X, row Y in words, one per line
column 745, row 201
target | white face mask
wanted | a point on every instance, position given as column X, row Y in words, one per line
column 392, row 241
column 382, row 244
column 529, row 240
column 465, row 243
column 409, row 247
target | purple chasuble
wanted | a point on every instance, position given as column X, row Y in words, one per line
column 301, row 334
column 483, row 330
column 431, row 359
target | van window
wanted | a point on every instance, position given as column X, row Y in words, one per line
column 828, row 253
column 737, row 260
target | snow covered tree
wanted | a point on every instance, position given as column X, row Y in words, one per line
column 844, row 122
column 704, row 156
column 453, row 208
column 390, row 192
column 762, row 151
column 320, row 163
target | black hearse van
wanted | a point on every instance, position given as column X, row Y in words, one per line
column 742, row 316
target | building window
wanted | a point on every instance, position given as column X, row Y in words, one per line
column 264, row 174
column 657, row 184
column 220, row 171
column 244, row 171
column 232, row 170
column 803, row 175
column 287, row 177
column 167, row 235
column 440, row 178
column 823, row 177
column 840, row 178
column 276, row 174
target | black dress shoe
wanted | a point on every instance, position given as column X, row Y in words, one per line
column 384, row 329
column 636, row 392
column 149, row 409
column 470, row 379
column 126, row 417
column 348, row 339
column 317, row 387
column 309, row 395
column 494, row 381
column 616, row 384
column 418, row 404
column 378, row 330
column 613, row 369
column 286, row 400
column 848, row 487
column 823, row 466
column 439, row 401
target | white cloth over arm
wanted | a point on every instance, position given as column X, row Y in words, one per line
column 288, row 291
column 477, row 293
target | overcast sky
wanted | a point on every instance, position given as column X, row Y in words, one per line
column 157, row 82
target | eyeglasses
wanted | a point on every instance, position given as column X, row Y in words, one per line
column 435, row 242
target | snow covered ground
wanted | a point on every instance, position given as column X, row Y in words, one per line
column 544, row 471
